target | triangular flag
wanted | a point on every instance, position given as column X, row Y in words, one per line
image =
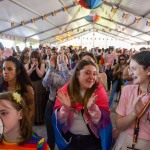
column 32, row 20
column 53, row 13
column 148, row 23
column 114, row 9
column 22, row 23
column 12, row 24
column 124, row 15
column 136, row 20
column 44, row 17
column 75, row 3
column 64, row 8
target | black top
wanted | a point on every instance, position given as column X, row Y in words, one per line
column 34, row 76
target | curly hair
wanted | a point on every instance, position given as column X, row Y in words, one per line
column 23, row 79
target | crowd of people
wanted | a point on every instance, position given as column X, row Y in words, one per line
column 72, row 91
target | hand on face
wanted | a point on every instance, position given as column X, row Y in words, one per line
column 92, row 101
column 64, row 99
column 33, row 66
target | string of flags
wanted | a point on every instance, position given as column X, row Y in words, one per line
column 114, row 9
column 137, row 19
column 124, row 15
column 65, row 8
column 53, row 13
column 17, row 38
column 148, row 23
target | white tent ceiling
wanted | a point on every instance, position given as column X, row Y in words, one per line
column 46, row 30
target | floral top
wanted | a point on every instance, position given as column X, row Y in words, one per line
column 55, row 79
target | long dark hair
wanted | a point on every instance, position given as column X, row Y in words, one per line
column 22, row 57
column 22, row 78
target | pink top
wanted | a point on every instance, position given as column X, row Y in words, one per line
column 125, row 107
column 109, row 60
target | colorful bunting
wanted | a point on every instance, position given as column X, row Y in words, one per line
column 53, row 13
column 76, row 3
column 32, row 20
column 44, row 17
column 12, row 24
column 124, row 15
column 64, row 8
column 136, row 20
column 148, row 23
column 22, row 23
column 114, row 9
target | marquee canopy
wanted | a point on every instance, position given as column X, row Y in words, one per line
column 51, row 21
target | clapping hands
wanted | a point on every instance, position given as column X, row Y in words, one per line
column 91, row 101
column 64, row 99
column 138, row 105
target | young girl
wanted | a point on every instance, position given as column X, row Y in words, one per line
column 18, row 132
column 133, row 111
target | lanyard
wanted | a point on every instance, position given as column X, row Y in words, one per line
column 136, row 126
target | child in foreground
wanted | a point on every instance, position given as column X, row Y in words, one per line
column 18, row 132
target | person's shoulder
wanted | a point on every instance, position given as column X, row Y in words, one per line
column 65, row 87
column 130, row 88
column 35, row 139
column 100, row 88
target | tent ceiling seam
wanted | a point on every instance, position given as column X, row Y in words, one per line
column 38, row 18
column 30, row 10
column 64, row 32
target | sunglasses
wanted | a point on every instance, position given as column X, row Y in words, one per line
column 121, row 59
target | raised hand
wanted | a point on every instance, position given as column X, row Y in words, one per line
column 64, row 99
column 92, row 101
column 137, row 104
